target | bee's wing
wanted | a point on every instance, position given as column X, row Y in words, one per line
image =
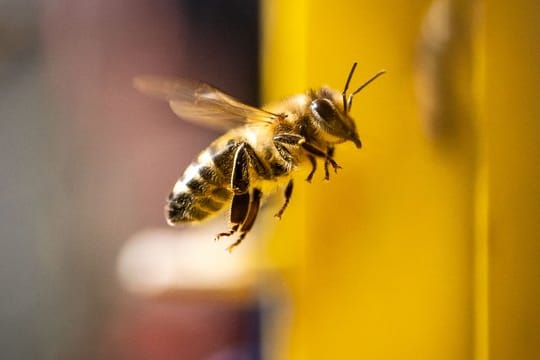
column 202, row 103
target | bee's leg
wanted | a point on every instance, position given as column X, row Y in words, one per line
column 280, row 142
column 240, row 185
column 328, row 157
column 244, row 208
column 239, row 211
column 240, row 171
column 290, row 139
column 250, row 217
column 313, row 167
column 328, row 160
column 330, row 152
column 237, row 242
column 253, row 210
column 227, row 233
column 256, row 163
column 288, row 193
column 294, row 139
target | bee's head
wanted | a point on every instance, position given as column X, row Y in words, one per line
column 333, row 120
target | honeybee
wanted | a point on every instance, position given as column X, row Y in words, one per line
column 262, row 148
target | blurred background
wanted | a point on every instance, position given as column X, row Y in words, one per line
column 425, row 245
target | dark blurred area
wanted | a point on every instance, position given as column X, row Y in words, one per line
column 87, row 162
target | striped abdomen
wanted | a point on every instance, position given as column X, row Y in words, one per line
column 204, row 188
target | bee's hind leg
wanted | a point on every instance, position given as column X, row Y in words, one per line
column 250, row 217
column 244, row 207
column 226, row 233
column 239, row 212
column 240, row 186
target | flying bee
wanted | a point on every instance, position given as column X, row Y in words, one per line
column 260, row 147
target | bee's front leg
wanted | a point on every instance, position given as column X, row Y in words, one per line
column 329, row 160
column 328, row 157
column 294, row 139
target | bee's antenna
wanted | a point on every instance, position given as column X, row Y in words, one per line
column 344, row 93
column 349, row 102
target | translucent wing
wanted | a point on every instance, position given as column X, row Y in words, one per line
column 202, row 103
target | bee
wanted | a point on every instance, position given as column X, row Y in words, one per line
column 261, row 149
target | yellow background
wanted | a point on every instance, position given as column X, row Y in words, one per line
column 425, row 245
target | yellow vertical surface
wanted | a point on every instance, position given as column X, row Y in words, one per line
column 389, row 259
column 512, row 112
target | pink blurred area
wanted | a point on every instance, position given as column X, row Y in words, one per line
column 200, row 330
column 89, row 163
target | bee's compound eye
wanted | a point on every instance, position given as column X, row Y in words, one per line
column 323, row 110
